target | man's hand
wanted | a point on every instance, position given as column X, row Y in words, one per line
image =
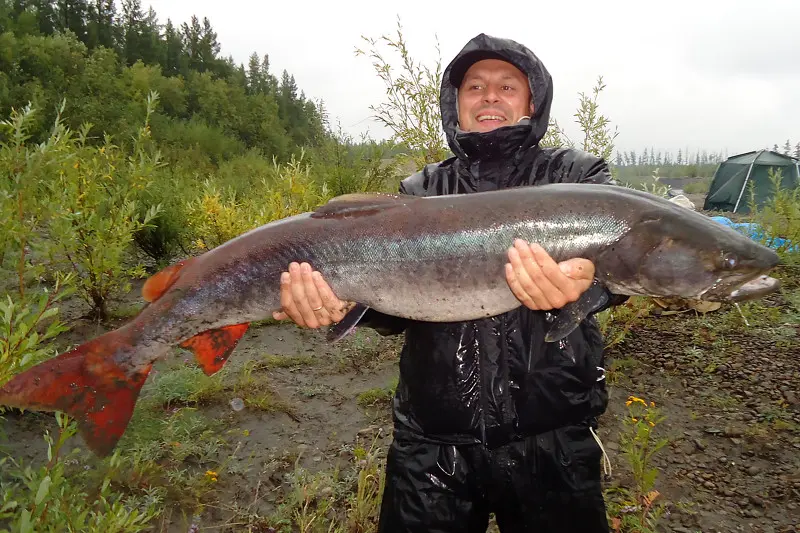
column 307, row 299
column 542, row 284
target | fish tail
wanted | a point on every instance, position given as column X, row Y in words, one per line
column 88, row 383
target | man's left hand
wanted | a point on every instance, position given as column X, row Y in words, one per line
column 542, row 284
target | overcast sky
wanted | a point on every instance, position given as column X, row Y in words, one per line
column 715, row 75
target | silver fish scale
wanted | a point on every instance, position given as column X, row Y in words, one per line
column 562, row 236
column 570, row 234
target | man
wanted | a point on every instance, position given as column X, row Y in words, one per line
column 488, row 417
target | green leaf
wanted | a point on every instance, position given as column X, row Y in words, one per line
column 44, row 488
column 25, row 525
column 49, row 313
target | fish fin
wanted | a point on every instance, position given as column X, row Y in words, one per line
column 85, row 383
column 212, row 347
column 361, row 204
column 346, row 325
column 157, row 284
column 571, row 315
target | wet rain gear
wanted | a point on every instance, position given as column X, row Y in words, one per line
column 488, row 417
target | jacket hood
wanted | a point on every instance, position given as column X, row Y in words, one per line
column 508, row 139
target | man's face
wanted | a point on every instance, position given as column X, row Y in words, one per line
column 493, row 93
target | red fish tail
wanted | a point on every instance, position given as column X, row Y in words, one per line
column 86, row 383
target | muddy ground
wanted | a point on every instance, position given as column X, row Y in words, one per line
column 730, row 393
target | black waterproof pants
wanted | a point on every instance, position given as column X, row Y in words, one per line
column 549, row 483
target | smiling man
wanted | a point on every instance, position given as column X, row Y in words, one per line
column 493, row 93
column 488, row 417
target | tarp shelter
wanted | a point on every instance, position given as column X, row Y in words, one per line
column 730, row 188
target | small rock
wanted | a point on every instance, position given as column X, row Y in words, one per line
column 791, row 397
column 752, row 513
column 237, row 404
column 699, row 444
column 754, row 470
column 731, row 431
column 368, row 430
column 709, row 485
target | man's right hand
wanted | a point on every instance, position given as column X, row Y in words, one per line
column 308, row 300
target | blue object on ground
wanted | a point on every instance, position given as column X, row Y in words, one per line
column 756, row 232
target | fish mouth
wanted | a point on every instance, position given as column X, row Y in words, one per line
column 755, row 288
column 739, row 288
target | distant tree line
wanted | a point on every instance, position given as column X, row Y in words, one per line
column 103, row 59
column 787, row 149
column 651, row 157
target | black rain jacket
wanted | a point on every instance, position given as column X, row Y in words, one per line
column 495, row 380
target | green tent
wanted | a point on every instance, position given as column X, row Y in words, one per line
column 730, row 188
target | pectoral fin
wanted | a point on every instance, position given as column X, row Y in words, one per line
column 571, row 315
column 343, row 328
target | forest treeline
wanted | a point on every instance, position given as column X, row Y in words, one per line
column 123, row 139
column 102, row 58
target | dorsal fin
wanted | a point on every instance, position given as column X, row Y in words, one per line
column 159, row 282
column 360, row 204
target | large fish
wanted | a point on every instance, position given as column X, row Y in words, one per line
column 431, row 259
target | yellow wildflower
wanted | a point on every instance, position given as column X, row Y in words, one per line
column 634, row 399
column 199, row 243
column 634, row 419
column 652, row 425
column 650, row 497
column 652, row 404
column 211, row 475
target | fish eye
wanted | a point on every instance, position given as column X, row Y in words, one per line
column 729, row 260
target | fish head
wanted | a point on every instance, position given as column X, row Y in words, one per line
column 691, row 256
